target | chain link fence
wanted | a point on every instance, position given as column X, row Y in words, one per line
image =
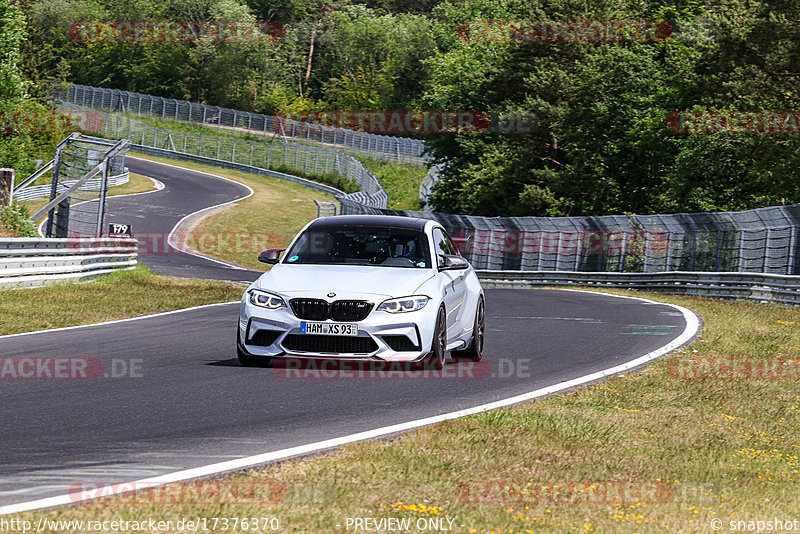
column 82, row 212
column 381, row 147
column 308, row 159
column 763, row 240
column 81, row 170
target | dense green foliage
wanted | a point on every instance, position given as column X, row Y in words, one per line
column 18, row 147
column 601, row 144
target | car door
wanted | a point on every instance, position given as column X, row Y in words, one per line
column 453, row 284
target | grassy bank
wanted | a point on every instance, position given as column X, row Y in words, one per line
column 680, row 452
column 401, row 182
column 115, row 296
column 268, row 219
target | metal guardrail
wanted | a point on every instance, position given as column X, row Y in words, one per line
column 325, row 208
column 93, row 184
column 427, row 184
column 750, row 286
column 31, row 262
column 237, row 167
column 33, row 177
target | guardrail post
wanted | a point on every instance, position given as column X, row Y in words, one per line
column 101, row 211
column 623, row 251
column 6, row 186
column 53, row 191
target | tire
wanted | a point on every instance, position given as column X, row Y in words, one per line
column 248, row 360
column 475, row 350
column 438, row 352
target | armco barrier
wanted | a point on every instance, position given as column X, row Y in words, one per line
column 30, row 262
column 94, row 184
column 181, row 156
column 751, row 286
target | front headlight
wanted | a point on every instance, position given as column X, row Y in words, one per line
column 266, row 300
column 404, row 304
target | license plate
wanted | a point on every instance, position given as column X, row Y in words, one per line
column 329, row 329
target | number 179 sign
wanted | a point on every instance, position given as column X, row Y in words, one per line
column 119, row 230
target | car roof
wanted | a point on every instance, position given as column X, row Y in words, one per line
column 381, row 221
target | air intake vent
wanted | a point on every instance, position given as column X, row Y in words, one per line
column 340, row 310
column 332, row 344
column 400, row 343
column 264, row 338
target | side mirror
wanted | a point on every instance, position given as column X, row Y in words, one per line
column 454, row 263
column 271, row 256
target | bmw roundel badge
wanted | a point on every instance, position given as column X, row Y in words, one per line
column 331, row 294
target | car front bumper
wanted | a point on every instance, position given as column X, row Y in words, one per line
column 277, row 334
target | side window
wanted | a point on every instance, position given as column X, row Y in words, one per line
column 441, row 246
column 453, row 247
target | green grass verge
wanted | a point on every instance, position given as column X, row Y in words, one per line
column 277, row 210
column 714, row 449
column 400, row 181
column 118, row 295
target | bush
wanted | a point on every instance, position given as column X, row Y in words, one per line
column 15, row 218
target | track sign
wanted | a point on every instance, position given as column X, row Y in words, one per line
column 119, row 230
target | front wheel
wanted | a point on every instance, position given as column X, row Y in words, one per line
column 475, row 351
column 248, row 360
column 439, row 344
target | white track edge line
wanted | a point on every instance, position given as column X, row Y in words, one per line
column 192, row 252
column 692, row 327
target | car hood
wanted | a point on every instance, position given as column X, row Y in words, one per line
column 318, row 280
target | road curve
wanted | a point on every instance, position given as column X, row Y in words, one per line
column 153, row 217
column 181, row 400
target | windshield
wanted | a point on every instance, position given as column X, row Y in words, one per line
column 361, row 245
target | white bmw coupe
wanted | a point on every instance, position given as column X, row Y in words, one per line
column 364, row 287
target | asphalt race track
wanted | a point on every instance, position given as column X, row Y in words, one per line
column 152, row 217
column 175, row 397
